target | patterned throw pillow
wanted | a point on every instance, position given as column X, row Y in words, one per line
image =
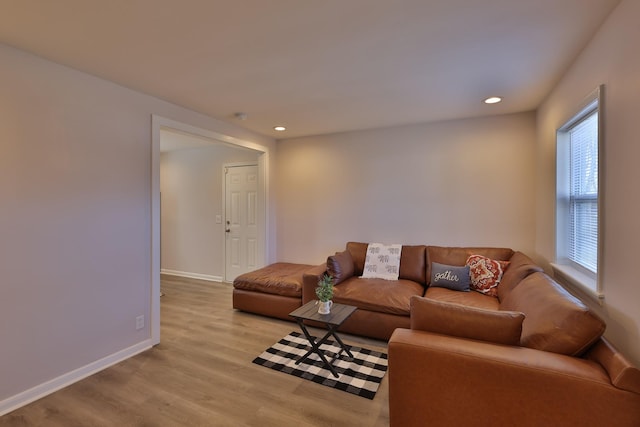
column 382, row 261
column 486, row 274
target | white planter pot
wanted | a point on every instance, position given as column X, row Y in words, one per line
column 324, row 307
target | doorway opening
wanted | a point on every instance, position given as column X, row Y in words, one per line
column 162, row 127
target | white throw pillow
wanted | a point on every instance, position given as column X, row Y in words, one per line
column 382, row 261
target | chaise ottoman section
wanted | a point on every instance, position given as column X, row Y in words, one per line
column 274, row 290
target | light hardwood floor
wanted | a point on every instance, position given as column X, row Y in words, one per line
column 201, row 375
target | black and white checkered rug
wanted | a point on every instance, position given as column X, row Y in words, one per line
column 360, row 376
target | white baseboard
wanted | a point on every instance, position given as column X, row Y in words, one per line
column 40, row 391
column 191, row 275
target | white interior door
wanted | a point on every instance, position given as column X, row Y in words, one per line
column 241, row 220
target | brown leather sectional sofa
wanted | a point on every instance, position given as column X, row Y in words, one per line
column 533, row 355
column 384, row 305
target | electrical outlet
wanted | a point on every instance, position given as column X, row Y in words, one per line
column 139, row 322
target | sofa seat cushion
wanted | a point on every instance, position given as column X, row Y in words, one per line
column 470, row 299
column 281, row 278
column 555, row 321
column 379, row 295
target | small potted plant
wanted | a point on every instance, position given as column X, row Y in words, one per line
column 324, row 292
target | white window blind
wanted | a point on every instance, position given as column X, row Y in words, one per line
column 583, row 193
column 578, row 198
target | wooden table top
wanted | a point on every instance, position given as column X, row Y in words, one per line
column 309, row 311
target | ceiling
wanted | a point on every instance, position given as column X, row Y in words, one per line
column 316, row 66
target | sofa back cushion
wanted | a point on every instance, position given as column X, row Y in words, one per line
column 469, row 299
column 340, row 266
column 459, row 255
column 412, row 261
column 358, row 253
column 445, row 318
column 555, row 321
column 520, row 266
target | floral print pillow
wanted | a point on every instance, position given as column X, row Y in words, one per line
column 486, row 274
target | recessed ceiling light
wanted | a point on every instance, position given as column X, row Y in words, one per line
column 493, row 100
column 280, row 128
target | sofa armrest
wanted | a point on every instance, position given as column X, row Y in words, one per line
column 310, row 281
column 441, row 380
column 622, row 373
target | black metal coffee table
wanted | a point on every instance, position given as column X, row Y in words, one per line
column 339, row 313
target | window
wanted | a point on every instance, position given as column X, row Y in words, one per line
column 578, row 197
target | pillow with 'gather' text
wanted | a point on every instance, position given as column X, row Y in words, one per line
column 486, row 274
column 452, row 277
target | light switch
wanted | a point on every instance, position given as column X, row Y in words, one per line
column 218, row 219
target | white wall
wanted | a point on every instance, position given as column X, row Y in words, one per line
column 75, row 218
column 463, row 182
column 191, row 183
column 612, row 59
